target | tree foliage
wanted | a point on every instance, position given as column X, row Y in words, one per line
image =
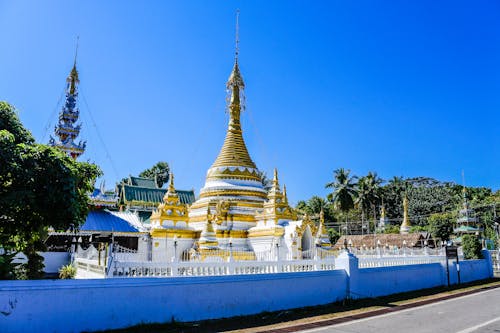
column 441, row 225
column 344, row 190
column 471, row 247
column 160, row 172
column 313, row 207
column 40, row 186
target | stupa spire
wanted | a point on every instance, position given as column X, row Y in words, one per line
column 67, row 130
column 234, row 151
column 405, row 226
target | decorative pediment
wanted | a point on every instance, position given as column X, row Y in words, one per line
column 306, row 222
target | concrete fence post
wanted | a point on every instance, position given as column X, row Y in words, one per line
column 489, row 262
column 349, row 262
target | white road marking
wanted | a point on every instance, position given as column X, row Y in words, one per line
column 400, row 311
column 474, row 328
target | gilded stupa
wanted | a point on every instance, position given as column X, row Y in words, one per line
column 234, row 212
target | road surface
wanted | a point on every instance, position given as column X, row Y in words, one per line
column 472, row 313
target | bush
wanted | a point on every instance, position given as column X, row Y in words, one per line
column 7, row 267
column 392, row 229
column 471, row 247
column 67, row 272
column 334, row 236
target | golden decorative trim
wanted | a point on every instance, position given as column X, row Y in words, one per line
column 170, row 233
column 275, row 232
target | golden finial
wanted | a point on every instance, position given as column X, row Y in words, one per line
column 73, row 75
column 285, row 198
column 275, row 176
column 76, row 51
column 171, row 185
column 235, row 81
column 321, row 217
column 237, row 46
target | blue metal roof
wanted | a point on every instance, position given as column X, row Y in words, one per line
column 105, row 221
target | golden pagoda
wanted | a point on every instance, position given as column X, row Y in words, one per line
column 233, row 188
column 234, row 215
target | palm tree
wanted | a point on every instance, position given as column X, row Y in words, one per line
column 344, row 191
column 363, row 197
column 373, row 189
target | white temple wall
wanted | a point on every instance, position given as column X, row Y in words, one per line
column 262, row 244
column 164, row 249
column 42, row 305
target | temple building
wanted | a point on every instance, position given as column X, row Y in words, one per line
column 67, row 130
column 142, row 195
column 467, row 222
column 234, row 215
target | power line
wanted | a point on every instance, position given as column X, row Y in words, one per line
column 108, row 155
column 49, row 121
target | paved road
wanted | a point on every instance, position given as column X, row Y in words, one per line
column 473, row 313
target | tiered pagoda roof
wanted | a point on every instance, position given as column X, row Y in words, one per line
column 67, row 129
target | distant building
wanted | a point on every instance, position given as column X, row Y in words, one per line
column 142, row 195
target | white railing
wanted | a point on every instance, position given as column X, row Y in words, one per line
column 495, row 260
column 395, row 251
column 367, row 262
column 89, row 253
column 154, row 269
column 89, row 269
column 121, row 253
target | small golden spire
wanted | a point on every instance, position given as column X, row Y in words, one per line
column 237, row 47
column 285, row 198
column 171, row 193
column 171, row 187
column 405, row 226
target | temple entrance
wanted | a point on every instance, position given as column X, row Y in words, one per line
column 307, row 244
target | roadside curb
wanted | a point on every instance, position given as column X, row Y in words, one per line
column 373, row 313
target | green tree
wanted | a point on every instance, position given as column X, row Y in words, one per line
column 313, row 207
column 392, row 197
column 334, row 236
column 160, row 172
column 344, row 191
column 40, row 186
column 441, row 225
column 471, row 247
column 368, row 195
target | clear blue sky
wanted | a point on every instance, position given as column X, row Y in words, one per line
column 407, row 88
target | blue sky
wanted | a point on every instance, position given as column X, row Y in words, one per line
column 408, row 88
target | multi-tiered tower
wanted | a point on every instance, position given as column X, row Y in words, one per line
column 67, row 130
